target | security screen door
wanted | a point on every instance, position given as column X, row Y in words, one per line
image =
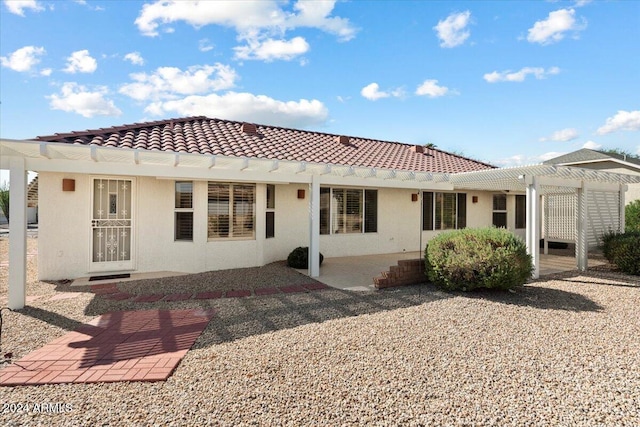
column 112, row 225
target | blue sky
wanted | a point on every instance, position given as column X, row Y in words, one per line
column 507, row 82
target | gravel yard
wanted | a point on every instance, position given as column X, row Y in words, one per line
column 560, row 351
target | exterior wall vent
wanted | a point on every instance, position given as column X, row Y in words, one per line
column 417, row 148
column 342, row 139
column 249, row 128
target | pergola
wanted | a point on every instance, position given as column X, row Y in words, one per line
column 22, row 156
column 545, row 180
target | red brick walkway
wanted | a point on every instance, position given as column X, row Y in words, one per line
column 119, row 346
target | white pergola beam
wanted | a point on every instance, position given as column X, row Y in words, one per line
column 17, row 234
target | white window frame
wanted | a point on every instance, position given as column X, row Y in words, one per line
column 362, row 199
column 230, row 186
column 180, row 210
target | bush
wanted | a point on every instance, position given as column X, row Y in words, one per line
column 632, row 216
column 299, row 258
column 623, row 250
column 477, row 258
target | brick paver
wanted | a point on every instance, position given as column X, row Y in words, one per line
column 120, row 346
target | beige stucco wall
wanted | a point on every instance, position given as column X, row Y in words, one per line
column 64, row 236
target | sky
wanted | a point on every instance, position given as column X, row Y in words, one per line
column 506, row 82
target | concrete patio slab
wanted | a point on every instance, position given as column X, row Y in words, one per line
column 120, row 346
column 356, row 273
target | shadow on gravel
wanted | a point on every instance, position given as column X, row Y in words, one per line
column 619, row 284
column 537, row 297
column 50, row 317
column 262, row 315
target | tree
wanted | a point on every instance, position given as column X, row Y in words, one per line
column 620, row 152
column 632, row 216
column 4, row 200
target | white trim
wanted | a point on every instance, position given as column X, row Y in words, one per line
column 610, row 159
column 114, row 266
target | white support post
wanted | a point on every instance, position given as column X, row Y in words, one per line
column 581, row 232
column 545, row 219
column 314, row 227
column 533, row 225
column 623, row 189
column 17, row 234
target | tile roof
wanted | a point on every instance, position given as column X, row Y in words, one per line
column 208, row 136
column 587, row 155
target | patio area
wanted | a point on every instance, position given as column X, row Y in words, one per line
column 119, row 346
column 356, row 273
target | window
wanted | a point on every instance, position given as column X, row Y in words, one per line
column 184, row 210
column 344, row 211
column 500, row 210
column 444, row 211
column 370, row 211
column 521, row 211
column 270, row 213
column 230, row 210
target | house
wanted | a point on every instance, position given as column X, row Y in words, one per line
column 197, row 194
column 603, row 161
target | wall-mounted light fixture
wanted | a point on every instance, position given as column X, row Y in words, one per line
column 300, row 194
column 474, row 199
column 414, row 197
column 68, row 184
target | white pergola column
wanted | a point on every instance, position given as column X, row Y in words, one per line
column 623, row 189
column 533, row 221
column 17, row 234
column 581, row 232
column 314, row 227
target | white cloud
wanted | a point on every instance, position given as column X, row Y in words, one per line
column 204, row 45
column 372, row 92
column 431, row 89
column 522, row 160
column 245, row 17
column 81, row 62
column 170, row 82
column 261, row 25
column 46, row 72
column 553, row 28
column 591, row 145
column 246, row 106
column 452, row 31
column 78, row 99
column 623, row 120
column 23, row 59
column 563, row 135
column 550, row 155
column 519, row 76
column 270, row 49
column 17, row 7
column 135, row 58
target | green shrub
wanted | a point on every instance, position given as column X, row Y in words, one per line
column 632, row 216
column 623, row 250
column 299, row 258
column 477, row 258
